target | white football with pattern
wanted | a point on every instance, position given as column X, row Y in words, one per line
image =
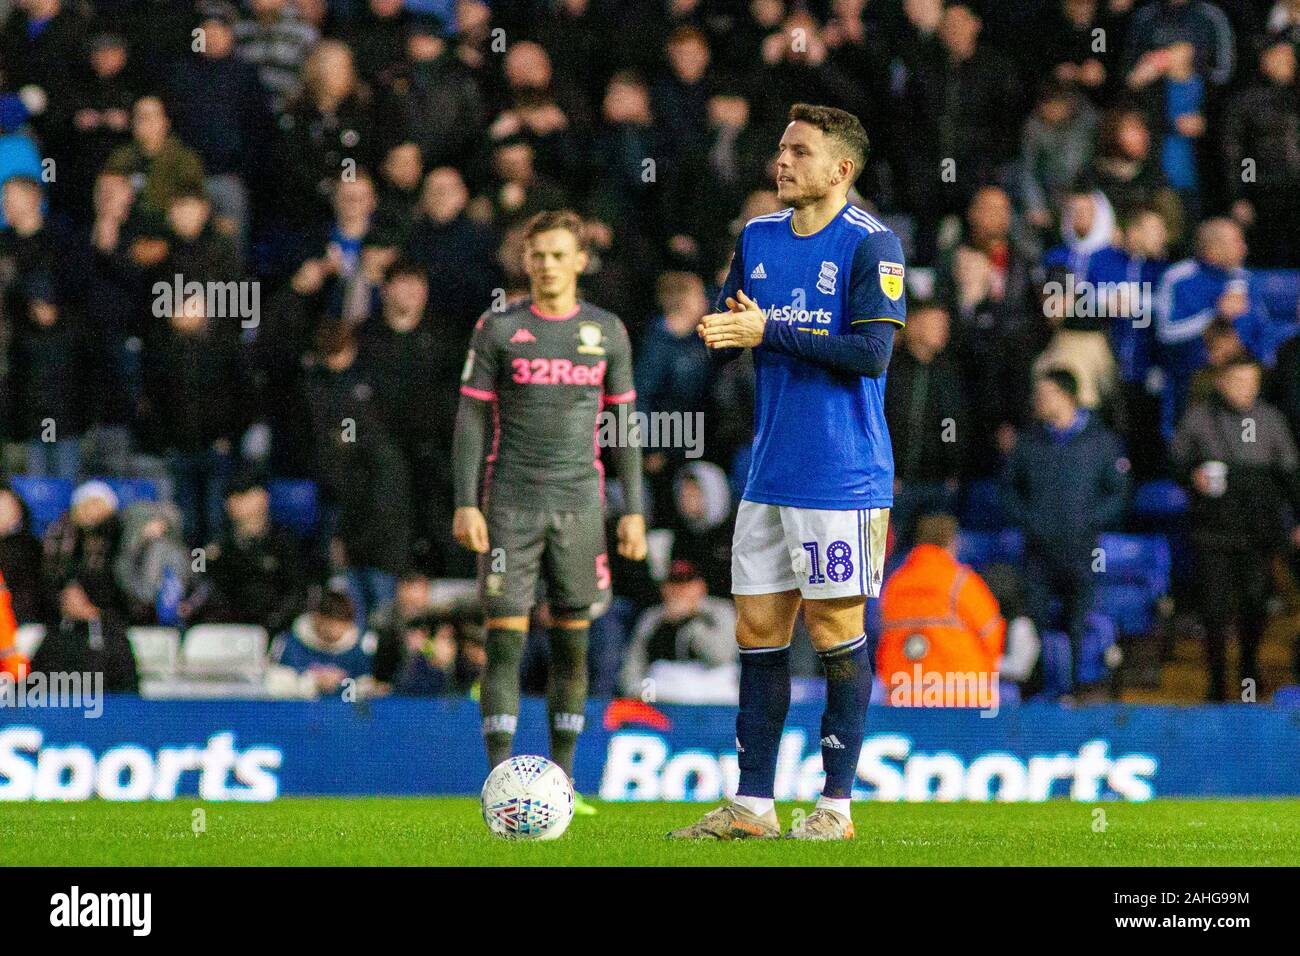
column 528, row 798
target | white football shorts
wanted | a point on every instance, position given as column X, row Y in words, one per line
column 825, row 554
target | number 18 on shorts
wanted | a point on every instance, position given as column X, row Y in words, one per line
column 825, row 554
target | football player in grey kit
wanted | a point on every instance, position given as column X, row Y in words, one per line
column 537, row 377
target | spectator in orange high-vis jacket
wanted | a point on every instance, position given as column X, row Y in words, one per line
column 942, row 631
column 12, row 662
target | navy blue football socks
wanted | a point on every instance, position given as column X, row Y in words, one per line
column 764, row 700
column 844, row 721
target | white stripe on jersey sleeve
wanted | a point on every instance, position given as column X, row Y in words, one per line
column 772, row 216
column 859, row 211
column 866, row 221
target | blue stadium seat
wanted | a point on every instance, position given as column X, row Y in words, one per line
column 982, row 548
column 1138, row 569
column 1011, row 545
column 131, row 490
column 1101, row 634
column 1055, row 662
column 46, row 498
column 1128, row 605
column 1288, row 696
column 1162, row 498
column 981, row 508
column 976, row 548
column 1138, row 558
column 294, row 505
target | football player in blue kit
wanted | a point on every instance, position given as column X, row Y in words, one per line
column 816, row 291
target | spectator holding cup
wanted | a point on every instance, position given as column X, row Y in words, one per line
column 1236, row 455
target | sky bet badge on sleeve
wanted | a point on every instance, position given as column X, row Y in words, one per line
column 891, row 279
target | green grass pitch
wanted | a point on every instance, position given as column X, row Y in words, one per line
column 450, row 832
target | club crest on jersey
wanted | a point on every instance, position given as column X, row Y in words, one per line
column 826, row 278
column 891, row 279
column 591, row 340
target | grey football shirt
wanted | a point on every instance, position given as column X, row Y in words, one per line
column 549, row 377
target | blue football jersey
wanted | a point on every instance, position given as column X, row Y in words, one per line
column 820, row 439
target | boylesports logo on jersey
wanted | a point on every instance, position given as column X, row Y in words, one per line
column 590, row 339
column 797, row 316
column 891, row 279
column 759, row 272
column 826, row 278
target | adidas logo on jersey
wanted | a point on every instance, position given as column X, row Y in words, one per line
column 832, row 742
column 523, row 335
column 759, row 272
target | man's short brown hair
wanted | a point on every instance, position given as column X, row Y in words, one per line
column 841, row 127
column 552, row 219
column 687, row 34
column 335, row 606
